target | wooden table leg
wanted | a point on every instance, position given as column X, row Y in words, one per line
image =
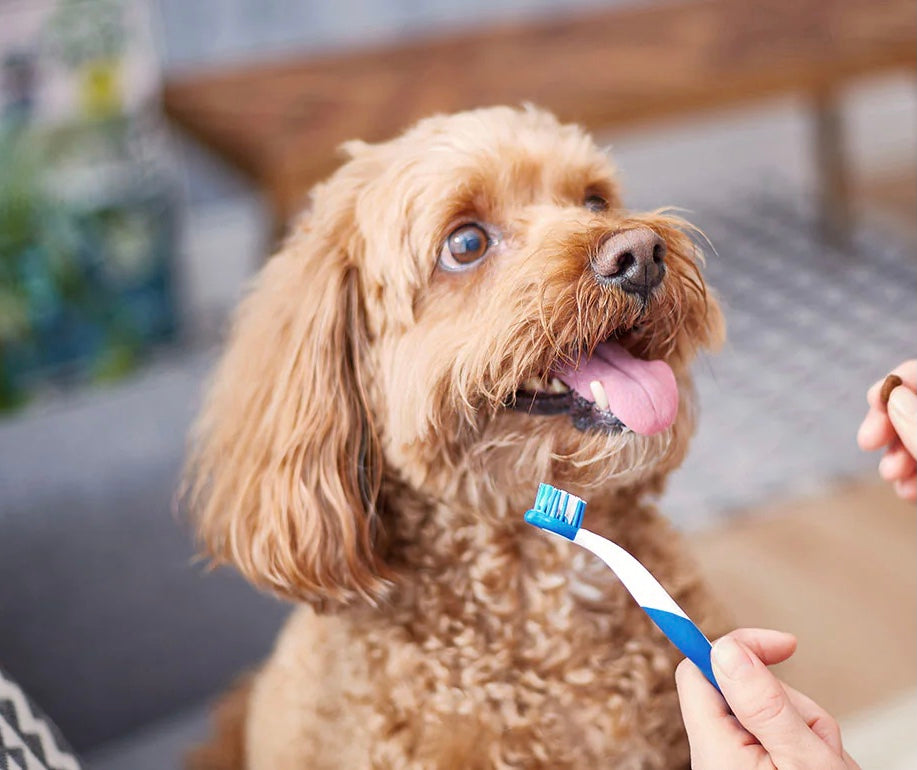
column 832, row 171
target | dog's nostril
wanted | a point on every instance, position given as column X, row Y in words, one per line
column 625, row 262
column 658, row 253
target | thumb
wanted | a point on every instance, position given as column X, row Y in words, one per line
column 760, row 703
column 902, row 411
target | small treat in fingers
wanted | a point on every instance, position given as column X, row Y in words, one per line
column 888, row 385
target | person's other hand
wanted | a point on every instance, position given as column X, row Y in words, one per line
column 770, row 726
column 894, row 427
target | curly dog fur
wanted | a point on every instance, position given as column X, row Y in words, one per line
column 356, row 454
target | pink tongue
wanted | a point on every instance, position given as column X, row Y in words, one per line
column 641, row 394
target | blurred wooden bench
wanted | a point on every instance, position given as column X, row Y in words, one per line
column 281, row 122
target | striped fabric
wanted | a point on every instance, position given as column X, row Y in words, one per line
column 28, row 739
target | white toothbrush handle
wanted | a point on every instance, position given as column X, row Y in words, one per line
column 655, row 601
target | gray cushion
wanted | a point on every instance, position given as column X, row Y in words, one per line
column 159, row 746
column 105, row 620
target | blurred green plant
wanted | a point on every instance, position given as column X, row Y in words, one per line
column 81, row 31
column 89, row 37
column 86, row 230
column 37, row 237
column 84, row 285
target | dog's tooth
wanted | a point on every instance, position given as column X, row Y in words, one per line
column 557, row 386
column 598, row 393
column 533, row 385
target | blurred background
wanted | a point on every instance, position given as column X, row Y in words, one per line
column 151, row 152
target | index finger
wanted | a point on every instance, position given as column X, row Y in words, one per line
column 706, row 703
column 769, row 645
column 761, row 704
column 876, row 430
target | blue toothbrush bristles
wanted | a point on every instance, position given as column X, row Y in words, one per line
column 556, row 511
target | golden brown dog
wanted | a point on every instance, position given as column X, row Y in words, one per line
column 396, row 384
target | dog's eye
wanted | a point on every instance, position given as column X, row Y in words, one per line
column 464, row 246
column 596, row 203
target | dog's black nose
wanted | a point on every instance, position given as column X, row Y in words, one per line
column 632, row 259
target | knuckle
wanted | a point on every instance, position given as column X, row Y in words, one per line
column 827, row 728
column 769, row 707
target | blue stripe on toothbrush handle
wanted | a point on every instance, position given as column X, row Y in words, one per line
column 686, row 637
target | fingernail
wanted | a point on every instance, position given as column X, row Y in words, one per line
column 730, row 658
column 903, row 403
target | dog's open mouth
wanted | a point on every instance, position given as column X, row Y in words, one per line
column 611, row 391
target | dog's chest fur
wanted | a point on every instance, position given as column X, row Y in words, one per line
column 510, row 650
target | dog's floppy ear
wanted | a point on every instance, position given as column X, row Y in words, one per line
column 285, row 467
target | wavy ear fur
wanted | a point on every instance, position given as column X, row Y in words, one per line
column 285, row 466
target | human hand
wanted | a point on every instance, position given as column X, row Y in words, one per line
column 894, row 426
column 770, row 726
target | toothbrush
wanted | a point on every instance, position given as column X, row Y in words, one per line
column 562, row 513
